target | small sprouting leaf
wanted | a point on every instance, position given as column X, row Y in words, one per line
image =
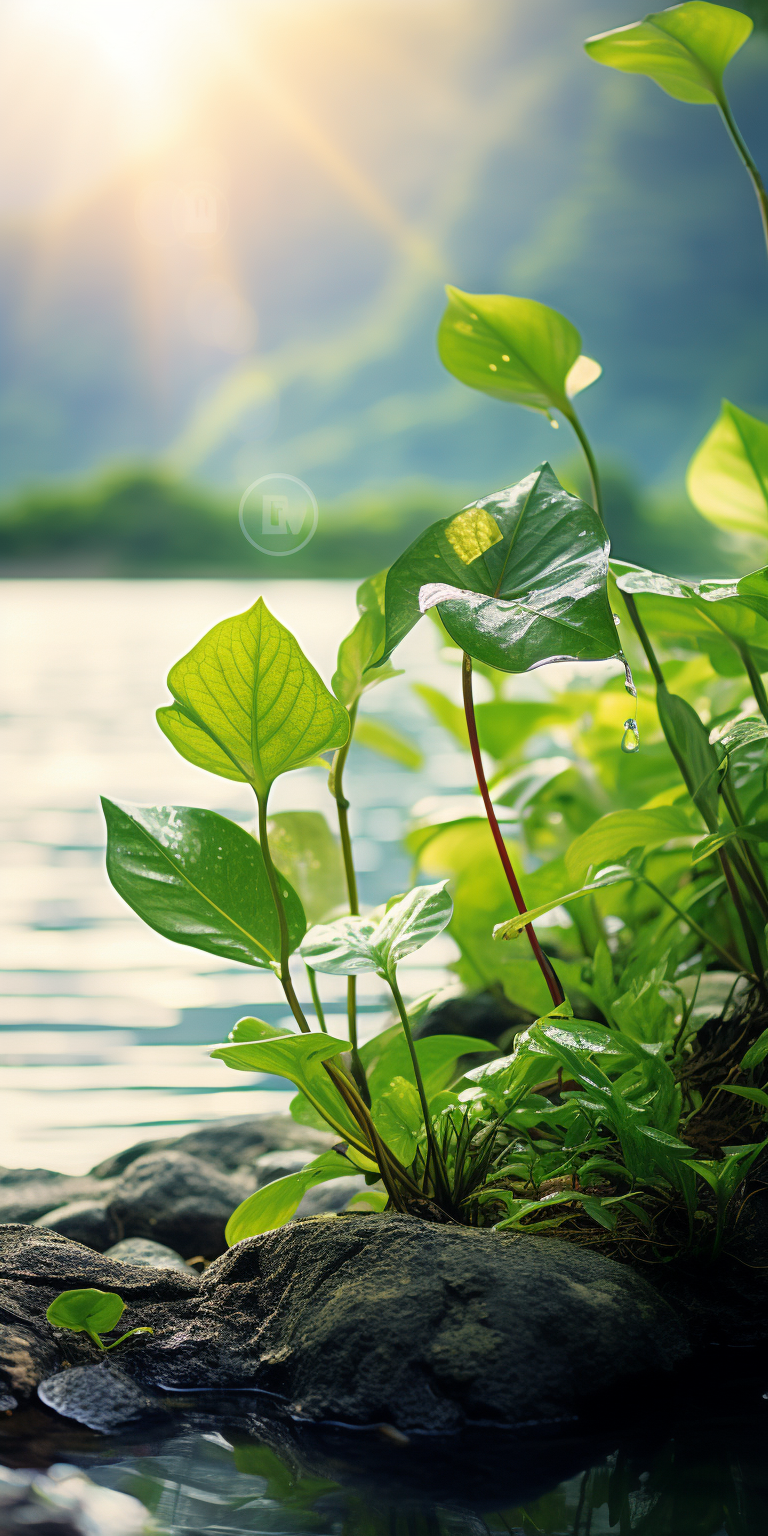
column 515, row 349
column 515, row 925
column 353, row 945
column 379, row 737
column 248, row 703
column 615, row 835
column 519, row 579
column 727, row 477
column 684, row 49
column 198, row 879
column 299, row 1058
column 362, row 646
column 86, row 1311
column 305, row 850
column 275, row 1203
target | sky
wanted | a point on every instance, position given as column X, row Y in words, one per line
column 225, row 227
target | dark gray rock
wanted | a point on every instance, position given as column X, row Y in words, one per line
column 329, row 1198
column 387, row 1318
column 36, row 1264
column 64, row 1502
column 277, row 1165
column 100, row 1396
column 83, row 1221
column 29, row 1198
column 228, row 1144
column 177, row 1200
column 150, row 1255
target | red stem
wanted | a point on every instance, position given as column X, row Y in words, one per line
column 546, row 967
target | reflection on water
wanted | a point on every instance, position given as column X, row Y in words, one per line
column 101, row 1020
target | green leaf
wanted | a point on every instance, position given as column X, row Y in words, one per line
column 305, row 850
column 451, row 716
column 503, row 725
column 86, row 1311
column 384, row 739
column 519, row 579
column 727, row 477
column 249, row 705
column 256, row 1029
column 368, row 1200
column 198, row 879
column 275, row 1204
column 515, row 925
column 615, row 835
column 741, row 732
column 363, row 645
column 757, row 1052
column 514, row 349
column 709, row 845
column 398, row 1118
column 688, row 741
column 684, row 49
column 437, row 1056
column 299, row 1058
column 757, row 1095
column 353, row 945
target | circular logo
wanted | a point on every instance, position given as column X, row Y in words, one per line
column 278, row 515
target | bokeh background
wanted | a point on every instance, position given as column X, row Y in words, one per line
column 226, row 226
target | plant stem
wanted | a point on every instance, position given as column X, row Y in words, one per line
column 342, row 811
column 285, row 942
column 746, row 159
column 597, row 497
column 547, row 969
column 753, row 673
column 643, row 637
column 749, row 932
column 433, row 1147
column 312, row 978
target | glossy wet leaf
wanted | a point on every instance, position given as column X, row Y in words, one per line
column 354, row 945
column 519, row 579
column 727, row 478
column 300, row 1059
column 398, row 1118
column 615, row 835
column 248, row 703
column 305, row 850
column 256, row 1029
column 709, row 845
column 514, row 349
column 198, row 879
column 513, row 927
column 743, row 732
column 277, row 1202
column 684, row 49
column 379, row 737
column 86, row 1311
column 363, row 645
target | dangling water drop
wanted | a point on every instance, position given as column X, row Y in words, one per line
column 629, row 682
column 630, row 741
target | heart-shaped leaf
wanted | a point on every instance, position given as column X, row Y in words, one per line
column 363, row 646
column 515, row 349
column 249, row 705
column 306, row 851
column 727, row 478
column 256, row 1029
column 684, row 49
column 519, row 579
column 275, row 1204
column 615, row 835
column 86, row 1311
column 299, row 1058
column 198, row 879
column 353, row 945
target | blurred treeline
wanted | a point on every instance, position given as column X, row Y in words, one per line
column 139, row 522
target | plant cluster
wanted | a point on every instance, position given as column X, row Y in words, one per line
column 630, row 1109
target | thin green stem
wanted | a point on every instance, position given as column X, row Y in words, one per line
column 586, row 446
column 747, row 161
column 285, row 942
column 318, row 1007
column 336, row 782
column 440, row 1168
column 644, row 638
column 746, row 862
column 756, row 681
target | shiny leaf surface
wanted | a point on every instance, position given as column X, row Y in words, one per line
column 276, row 1203
column 353, row 945
column 514, row 349
column 684, row 49
column 727, row 477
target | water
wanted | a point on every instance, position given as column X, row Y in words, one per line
column 102, row 1021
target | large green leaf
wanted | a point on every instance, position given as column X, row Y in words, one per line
column 519, row 579
column 398, row 1118
column 515, row 349
column 684, row 49
column 689, row 743
column 727, row 477
column 363, row 645
column 198, row 879
column 275, row 1204
column 696, row 616
column 299, row 1058
column 353, row 945
column 619, row 832
column 249, row 705
column 305, row 850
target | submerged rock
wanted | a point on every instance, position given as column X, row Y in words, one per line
column 177, row 1200
column 365, row 1319
column 100, row 1396
column 65, row 1501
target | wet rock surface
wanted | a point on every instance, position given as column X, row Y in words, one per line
column 367, row 1318
column 102, row 1397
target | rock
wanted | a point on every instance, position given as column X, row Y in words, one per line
column 84, row 1221
column 143, row 1251
column 368, row 1318
column 64, row 1502
column 27, row 1200
column 100, row 1396
column 36, row 1264
column 177, row 1200
column 276, row 1165
column 227, row 1143
column 331, row 1197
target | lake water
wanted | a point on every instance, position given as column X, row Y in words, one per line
column 103, row 1023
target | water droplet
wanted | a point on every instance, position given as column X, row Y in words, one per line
column 555, row 424
column 629, row 682
column 505, row 357
column 630, row 741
